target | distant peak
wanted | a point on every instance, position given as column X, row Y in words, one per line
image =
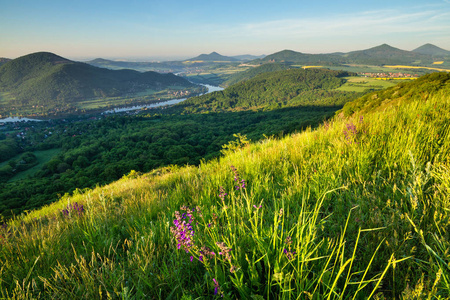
column 46, row 56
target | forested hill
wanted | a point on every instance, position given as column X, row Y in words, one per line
column 276, row 89
column 433, row 50
column 213, row 56
column 47, row 79
column 386, row 54
column 250, row 73
column 293, row 57
column 419, row 89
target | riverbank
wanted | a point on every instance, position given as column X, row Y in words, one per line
column 118, row 109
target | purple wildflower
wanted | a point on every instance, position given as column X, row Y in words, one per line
column 222, row 193
column 75, row 208
column 289, row 254
column 350, row 132
column 183, row 231
column 216, row 287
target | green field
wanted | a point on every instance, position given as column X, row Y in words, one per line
column 43, row 157
column 360, row 84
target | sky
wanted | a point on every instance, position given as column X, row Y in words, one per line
column 176, row 29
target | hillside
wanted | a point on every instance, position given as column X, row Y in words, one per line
column 45, row 79
column 213, row 57
column 357, row 209
column 292, row 57
column 420, row 89
column 246, row 57
column 430, row 49
column 271, row 90
column 3, row 60
column 252, row 72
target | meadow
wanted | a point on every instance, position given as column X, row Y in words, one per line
column 361, row 84
column 355, row 209
column 43, row 157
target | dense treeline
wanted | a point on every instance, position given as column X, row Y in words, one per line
column 272, row 90
column 252, row 72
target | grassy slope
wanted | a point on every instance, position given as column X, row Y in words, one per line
column 362, row 198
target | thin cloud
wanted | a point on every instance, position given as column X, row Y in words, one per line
column 372, row 22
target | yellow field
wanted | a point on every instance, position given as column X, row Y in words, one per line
column 438, row 63
column 415, row 67
column 396, row 78
column 308, row 67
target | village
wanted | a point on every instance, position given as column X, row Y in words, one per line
column 387, row 75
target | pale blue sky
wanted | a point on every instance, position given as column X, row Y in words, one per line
column 180, row 29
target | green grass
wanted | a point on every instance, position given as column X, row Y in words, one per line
column 357, row 209
column 360, row 84
column 377, row 69
column 43, row 157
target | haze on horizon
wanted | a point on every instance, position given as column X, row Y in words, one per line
column 176, row 29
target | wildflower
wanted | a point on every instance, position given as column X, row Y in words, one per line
column 288, row 240
column 257, row 207
column 216, row 286
column 75, row 208
column 236, row 174
column 222, row 193
column 289, row 254
column 350, row 132
column 191, row 258
column 183, row 231
column 224, row 250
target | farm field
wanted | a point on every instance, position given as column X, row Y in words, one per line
column 418, row 67
column 360, row 84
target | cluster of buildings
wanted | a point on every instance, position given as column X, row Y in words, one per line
column 387, row 75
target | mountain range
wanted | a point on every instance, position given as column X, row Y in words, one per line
column 379, row 55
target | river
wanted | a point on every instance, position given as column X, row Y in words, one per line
column 211, row 89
